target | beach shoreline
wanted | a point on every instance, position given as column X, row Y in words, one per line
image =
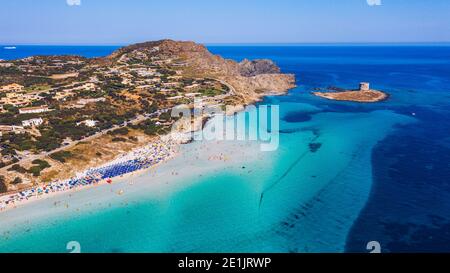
column 17, row 199
column 101, row 183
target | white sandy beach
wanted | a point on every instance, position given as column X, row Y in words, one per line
column 194, row 160
column 142, row 158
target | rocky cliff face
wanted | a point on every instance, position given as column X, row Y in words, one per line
column 252, row 68
column 251, row 79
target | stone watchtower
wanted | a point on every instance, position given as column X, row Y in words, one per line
column 364, row 86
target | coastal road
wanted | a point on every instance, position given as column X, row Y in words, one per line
column 230, row 87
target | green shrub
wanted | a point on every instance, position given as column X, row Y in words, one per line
column 17, row 168
column 119, row 139
column 16, row 181
column 35, row 170
column 61, row 156
column 3, row 187
column 41, row 163
column 120, row 131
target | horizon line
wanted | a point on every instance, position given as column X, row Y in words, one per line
column 244, row 43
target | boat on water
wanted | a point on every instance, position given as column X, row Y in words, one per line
column 9, row 47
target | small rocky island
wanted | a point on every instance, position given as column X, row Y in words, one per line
column 364, row 94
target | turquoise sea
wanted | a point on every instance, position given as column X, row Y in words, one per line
column 345, row 173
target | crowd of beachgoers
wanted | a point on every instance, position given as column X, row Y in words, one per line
column 139, row 159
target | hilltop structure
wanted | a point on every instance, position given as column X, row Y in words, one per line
column 363, row 94
column 364, row 86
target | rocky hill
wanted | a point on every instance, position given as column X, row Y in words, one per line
column 250, row 79
column 256, row 67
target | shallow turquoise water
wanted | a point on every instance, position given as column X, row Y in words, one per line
column 310, row 199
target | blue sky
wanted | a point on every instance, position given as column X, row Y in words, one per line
column 223, row 21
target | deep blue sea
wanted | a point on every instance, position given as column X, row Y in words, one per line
column 382, row 172
column 26, row 51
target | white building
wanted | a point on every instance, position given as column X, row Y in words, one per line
column 32, row 122
column 175, row 98
column 87, row 87
column 364, row 86
column 83, row 102
column 5, row 64
column 195, row 85
column 89, row 123
column 14, row 87
column 11, row 129
column 34, row 110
